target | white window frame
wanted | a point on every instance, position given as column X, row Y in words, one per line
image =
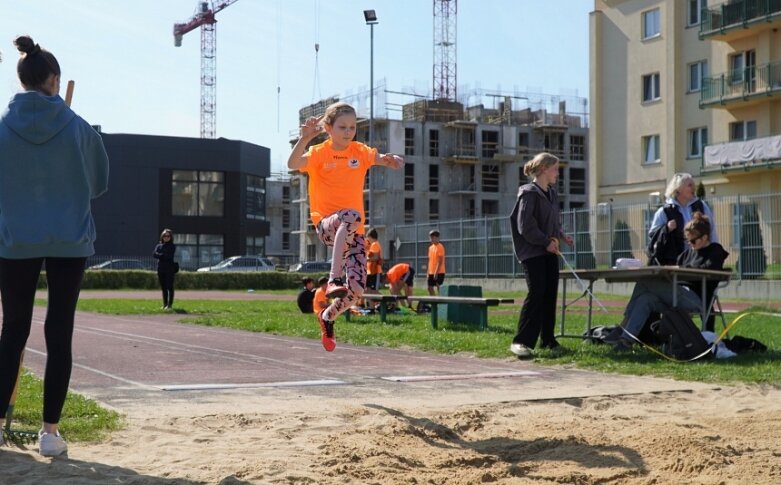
column 652, row 87
column 691, row 21
column 697, row 139
column 651, row 23
column 698, row 71
column 651, row 145
column 748, row 130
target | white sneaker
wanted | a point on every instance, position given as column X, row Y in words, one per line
column 520, row 350
column 51, row 444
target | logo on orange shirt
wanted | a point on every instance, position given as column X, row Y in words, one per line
column 353, row 163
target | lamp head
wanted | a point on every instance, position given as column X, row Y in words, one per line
column 370, row 16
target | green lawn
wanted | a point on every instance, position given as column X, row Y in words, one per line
column 85, row 420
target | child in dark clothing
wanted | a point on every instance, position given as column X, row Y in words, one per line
column 306, row 296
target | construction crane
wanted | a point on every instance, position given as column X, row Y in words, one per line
column 205, row 19
column 445, row 49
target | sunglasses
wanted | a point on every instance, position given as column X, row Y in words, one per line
column 694, row 239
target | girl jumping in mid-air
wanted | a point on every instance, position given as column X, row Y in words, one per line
column 337, row 170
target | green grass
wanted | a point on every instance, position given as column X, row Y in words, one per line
column 82, row 419
column 85, row 420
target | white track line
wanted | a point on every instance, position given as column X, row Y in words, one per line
column 205, row 387
column 454, row 377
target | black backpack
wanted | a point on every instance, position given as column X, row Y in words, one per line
column 664, row 247
column 680, row 338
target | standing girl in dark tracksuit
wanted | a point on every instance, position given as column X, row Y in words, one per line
column 536, row 231
column 164, row 253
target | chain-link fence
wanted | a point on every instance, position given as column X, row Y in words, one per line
column 747, row 226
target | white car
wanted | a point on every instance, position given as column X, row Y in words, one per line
column 242, row 263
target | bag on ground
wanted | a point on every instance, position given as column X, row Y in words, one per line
column 680, row 337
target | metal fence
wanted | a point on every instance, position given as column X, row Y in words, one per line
column 748, row 227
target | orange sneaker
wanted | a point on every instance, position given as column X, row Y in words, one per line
column 326, row 333
column 336, row 289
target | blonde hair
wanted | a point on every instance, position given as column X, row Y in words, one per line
column 336, row 110
column 539, row 163
column 676, row 183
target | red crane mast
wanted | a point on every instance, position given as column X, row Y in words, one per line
column 205, row 19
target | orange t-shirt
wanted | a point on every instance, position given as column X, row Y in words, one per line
column 397, row 272
column 435, row 251
column 319, row 300
column 336, row 178
column 374, row 267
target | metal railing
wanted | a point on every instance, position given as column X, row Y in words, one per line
column 736, row 13
column 749, row 228
column 742, row 83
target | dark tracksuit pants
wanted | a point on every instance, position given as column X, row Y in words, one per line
column 18, row 281
column 166, row 279
column 538, row 314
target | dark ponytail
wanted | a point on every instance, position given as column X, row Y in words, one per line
column 699, row 224
column 36, row 65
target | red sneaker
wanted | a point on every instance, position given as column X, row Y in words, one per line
column 326, row 333
column 336, row 289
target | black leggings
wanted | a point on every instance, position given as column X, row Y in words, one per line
column 538, row 314
column 18, row 281
column 166, row 279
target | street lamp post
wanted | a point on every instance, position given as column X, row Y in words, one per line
column 370, row 16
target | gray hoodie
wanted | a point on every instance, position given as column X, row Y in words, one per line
column 535, row 219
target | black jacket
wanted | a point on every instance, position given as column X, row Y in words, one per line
column 711, row 256
column 535, row 219
column 164, row 254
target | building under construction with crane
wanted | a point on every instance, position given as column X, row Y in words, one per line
column 464, row 152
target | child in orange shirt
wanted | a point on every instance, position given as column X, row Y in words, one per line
column 337, row 170
column 436, row 263
column 320, row 301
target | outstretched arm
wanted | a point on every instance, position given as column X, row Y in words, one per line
column 309, row 130
column 389, row 160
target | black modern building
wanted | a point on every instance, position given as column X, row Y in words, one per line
column 210, row 192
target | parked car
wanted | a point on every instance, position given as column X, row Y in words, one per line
column 311, row 267
column 120, row 264
column 242, row 263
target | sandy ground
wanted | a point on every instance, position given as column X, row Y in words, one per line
column 718, row 436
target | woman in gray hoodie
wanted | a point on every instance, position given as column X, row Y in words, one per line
column 536, row 230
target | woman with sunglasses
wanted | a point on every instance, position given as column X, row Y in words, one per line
column 655, row 295
column 166, row 267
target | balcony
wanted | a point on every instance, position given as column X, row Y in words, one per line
column 755, row 153
column 742, row 87
column 739, row 18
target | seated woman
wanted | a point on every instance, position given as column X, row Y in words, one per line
column 655, row 295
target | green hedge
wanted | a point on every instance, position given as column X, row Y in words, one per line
column 189, row 280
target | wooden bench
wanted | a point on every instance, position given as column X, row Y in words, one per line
column 482, row 303
column 384, row 300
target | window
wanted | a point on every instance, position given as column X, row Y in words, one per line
column 433, row 178
column 470, row 209
column 698, row 138
column 409, row 176
column 490, row 207
column 255, row 245
column 742, row 130
column 651, row 87
column 490, row 178
column 651, row 26
column 577, row 147
column 523, row 140
column 695, row 9
column 409, row 210
column 490, row 143
column 256, row 197
column 554, row 143
column 698, row 71
column 286, row 218
column 651, row 149
column 196, row 250
column 286, row 194
column 577, row 181
column 433, row 209
column 433, row 143
column 409, row 141
column 743, row 68
column 196, row 193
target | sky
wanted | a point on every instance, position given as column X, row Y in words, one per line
column 129, row 77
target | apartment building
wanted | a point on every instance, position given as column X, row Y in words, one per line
column 283, row 217
column 460, row 162
column 684, row 86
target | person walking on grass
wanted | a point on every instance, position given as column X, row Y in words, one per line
column 52, row 163
column 337, row 169
column 536, row 231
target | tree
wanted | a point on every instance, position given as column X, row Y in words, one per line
column 701, row 190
